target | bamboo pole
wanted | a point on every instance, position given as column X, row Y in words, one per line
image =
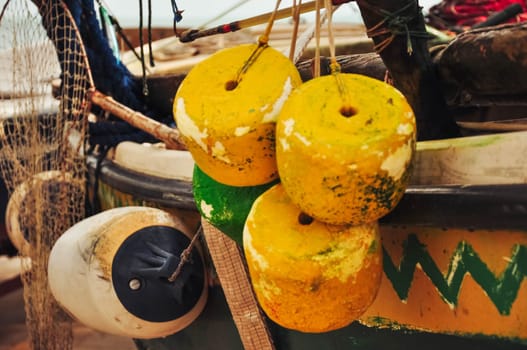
column 170, row 136
column 193, row 34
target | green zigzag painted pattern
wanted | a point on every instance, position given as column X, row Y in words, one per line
column 502, row 290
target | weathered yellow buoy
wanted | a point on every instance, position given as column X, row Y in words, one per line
column 344, row 148
column 307, row 275
column 112, row 272
column 227, row 115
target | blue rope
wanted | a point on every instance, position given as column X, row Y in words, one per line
column 110, row 76
column 178, row 14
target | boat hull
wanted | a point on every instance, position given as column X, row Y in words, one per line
column 455, row 257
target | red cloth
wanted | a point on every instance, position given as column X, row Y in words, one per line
column 466, row 13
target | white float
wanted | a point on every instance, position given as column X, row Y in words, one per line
column 106, row 271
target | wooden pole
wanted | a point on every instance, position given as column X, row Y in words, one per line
column 193, row 34
column 170, row 136
column 398, row 31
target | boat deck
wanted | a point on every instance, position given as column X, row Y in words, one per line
column 13, row 331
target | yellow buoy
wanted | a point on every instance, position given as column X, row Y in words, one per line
column 307, row 275
column 345, row 143
column 227, row 114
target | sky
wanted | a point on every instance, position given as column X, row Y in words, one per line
column 200, row 12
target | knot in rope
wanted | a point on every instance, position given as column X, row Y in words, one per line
column 178, row 15
column 394, row 24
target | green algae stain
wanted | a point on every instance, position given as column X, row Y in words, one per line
column 464, row 142
column 373, row 247
column 227, row 207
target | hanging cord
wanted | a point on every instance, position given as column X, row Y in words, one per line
column 347, row 109
column 295, row 15
column 393, row 25
column 185, row 255
column 264, row 38
column 150, row 52
column 335, row 67
column 118, row 29
column 307, row 36
column 263, row 43
column 93, row 205
column 316, row 69
column 178, row 15
column 142, row 49
column 123, row 36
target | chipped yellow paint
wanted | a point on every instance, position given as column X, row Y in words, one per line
column 231, row 131
column 396, row 163
column 342, row 168
column 309, row 276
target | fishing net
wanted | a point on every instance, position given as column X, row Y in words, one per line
column 42, row 140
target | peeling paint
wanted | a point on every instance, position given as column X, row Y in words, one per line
column 187, row 126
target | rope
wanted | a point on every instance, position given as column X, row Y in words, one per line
column 329, row 8
column 150, row 51
column 123, row 36
column 141, row 44
column 334, row 65
column 177, row 15
column 119, row 29
column 306, row 37
column 93, row 204
column 316, row 70
column 264, row 38
column 185, row 255
column 263, row 43
column 394, row 24
column 295, row 14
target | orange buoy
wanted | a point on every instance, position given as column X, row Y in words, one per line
column 345, row 143
column 308, row 275
column 227, row 115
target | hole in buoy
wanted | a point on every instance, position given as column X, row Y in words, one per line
column 134, row 284
column 304, row 219
column 231, row 85
column 348, row 111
